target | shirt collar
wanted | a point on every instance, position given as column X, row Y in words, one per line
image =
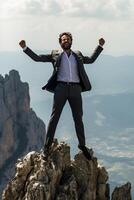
column 64, row 53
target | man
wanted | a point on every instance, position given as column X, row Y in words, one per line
column 67, row 82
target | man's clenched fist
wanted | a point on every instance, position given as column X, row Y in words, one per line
column 101, row 41
column 22, row 43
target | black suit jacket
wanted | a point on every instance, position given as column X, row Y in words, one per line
column 55, row 58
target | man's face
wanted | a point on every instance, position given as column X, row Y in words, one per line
column 65, row 42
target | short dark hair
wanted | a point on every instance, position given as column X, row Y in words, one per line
column 65, row 33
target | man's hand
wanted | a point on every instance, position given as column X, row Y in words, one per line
column 101, row 41
column 22, row 43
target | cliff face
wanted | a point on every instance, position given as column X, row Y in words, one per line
column 20, row 129
column 60, row 178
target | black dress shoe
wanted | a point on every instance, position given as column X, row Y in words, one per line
column 88, row 153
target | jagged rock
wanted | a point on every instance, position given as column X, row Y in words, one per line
column 103, row 188
column 20, row 129
column 122, row 192
column 58, row 177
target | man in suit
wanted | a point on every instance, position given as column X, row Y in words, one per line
column 67, row 82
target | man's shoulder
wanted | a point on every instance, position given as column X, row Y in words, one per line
column 56, row 51
column 77, row 52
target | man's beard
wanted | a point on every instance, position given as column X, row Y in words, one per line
column 66, row 46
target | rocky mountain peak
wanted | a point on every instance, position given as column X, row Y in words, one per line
column 60, row 178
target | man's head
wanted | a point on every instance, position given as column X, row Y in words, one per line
column 65, row 40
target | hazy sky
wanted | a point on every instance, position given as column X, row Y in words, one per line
column 39, row 22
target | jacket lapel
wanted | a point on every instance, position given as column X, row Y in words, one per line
column 79, row 60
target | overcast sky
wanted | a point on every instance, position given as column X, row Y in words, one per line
column 39, row 22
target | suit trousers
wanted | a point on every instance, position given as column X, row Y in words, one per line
column 72, row 93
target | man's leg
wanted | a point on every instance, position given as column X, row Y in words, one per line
column 59, row 101
column 75, row 101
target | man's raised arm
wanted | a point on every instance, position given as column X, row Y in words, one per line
column 34, row 56
column 96, row 53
